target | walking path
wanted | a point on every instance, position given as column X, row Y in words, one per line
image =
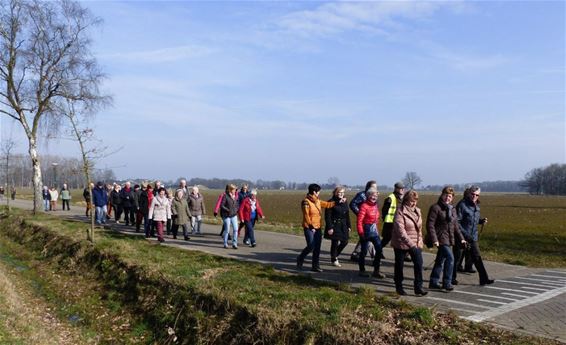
column 528, row 300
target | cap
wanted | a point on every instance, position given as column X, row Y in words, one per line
column 399, row 185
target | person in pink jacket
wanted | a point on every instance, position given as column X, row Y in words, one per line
column 367, row 226
column 407, row 237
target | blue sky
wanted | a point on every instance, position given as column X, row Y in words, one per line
column 303, row 91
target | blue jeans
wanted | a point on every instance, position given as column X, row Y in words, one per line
column 100, row 214
column 148, row 226
column 314, row 240
column 234, row 222
column 444, row 259
column 376, row 259
column 46, row 205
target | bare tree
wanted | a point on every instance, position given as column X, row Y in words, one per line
column 77, row 115
column 7, row 147
column 45, row 59
column 412, row 180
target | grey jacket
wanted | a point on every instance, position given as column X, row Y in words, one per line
column 196, row 204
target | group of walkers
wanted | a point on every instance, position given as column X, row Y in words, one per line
column 452, row 230
column 157, row 208
column 52, row 195
column 160, row 209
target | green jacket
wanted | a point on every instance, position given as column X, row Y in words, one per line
column 65, row 194
column 180, row 211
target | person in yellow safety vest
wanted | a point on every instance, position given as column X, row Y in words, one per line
column 388, row 212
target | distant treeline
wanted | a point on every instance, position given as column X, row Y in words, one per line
column 550, row 180
column 486, row 186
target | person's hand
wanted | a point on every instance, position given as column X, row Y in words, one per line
column 262, row 217
column 436, row 244
column 342, row 200
column 349, row 230
column 464, row 243
column 485, row 221
column 215, row 214
column 330, row 231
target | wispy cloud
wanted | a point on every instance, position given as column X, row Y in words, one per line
column 170, row 54
column 374, row 17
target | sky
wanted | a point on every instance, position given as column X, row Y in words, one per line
column 457, row 91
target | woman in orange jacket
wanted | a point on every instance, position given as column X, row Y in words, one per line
column 312, row 214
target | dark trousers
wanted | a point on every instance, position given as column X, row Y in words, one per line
column 129, row 215
column 461, row 254
column 376, row 259
column 139, row 218
column 336, row 247
column 314, row 240
column 147, row 226
column 175, row 230
column 476, row 261
column 66, row 202
column 386, row 233
column 117, row 212
column 417, row 258
column 250, row 234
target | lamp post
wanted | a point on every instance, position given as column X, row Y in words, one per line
column 55, row 174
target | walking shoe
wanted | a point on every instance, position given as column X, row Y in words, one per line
column 247, row 242
column 234, row 247
column 470, row 270
column 421, row 293
column 401, row 292
column 225, row 246
column 364, row 274
column 434, row 286
column 117, row 222
column 460, row 269
column 253, row 245
column 382, row 256
column 336, row 263
column 487, row 282
column 377, row 274
column 447, row 288
column 316, row 269
column 299, row 263
column 454, row 282
column 187, row 238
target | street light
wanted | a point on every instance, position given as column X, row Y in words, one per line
column 55, row 174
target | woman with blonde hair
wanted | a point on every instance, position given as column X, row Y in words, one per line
column 229, row 211
column 407, row 238
column 337, row 224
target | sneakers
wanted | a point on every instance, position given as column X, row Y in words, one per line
column 470, row 270
column 336, row 263
column 247, row 242
column 253, row 245
column 299, row 263
column 447, row 288
column 225, row 246
column 377, row 274
column 316, row 269
column 117, row 222
column 454, row 282
column 487, row 282
column 234, row 247
column 401, row 292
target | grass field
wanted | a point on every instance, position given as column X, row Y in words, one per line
column 522, row 229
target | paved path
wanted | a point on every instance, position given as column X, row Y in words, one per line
column 528, row 300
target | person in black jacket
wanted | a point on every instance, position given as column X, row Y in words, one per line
column 86, row 195
column 116, row 203
column 337, row 225
column 145, row 200
column 127, row 202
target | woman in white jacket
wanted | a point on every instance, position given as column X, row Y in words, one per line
column 160, row 212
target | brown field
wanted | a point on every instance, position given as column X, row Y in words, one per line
column 522, row 229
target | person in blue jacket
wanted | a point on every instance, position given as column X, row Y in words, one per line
column 468, row 210
column 100, row 200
